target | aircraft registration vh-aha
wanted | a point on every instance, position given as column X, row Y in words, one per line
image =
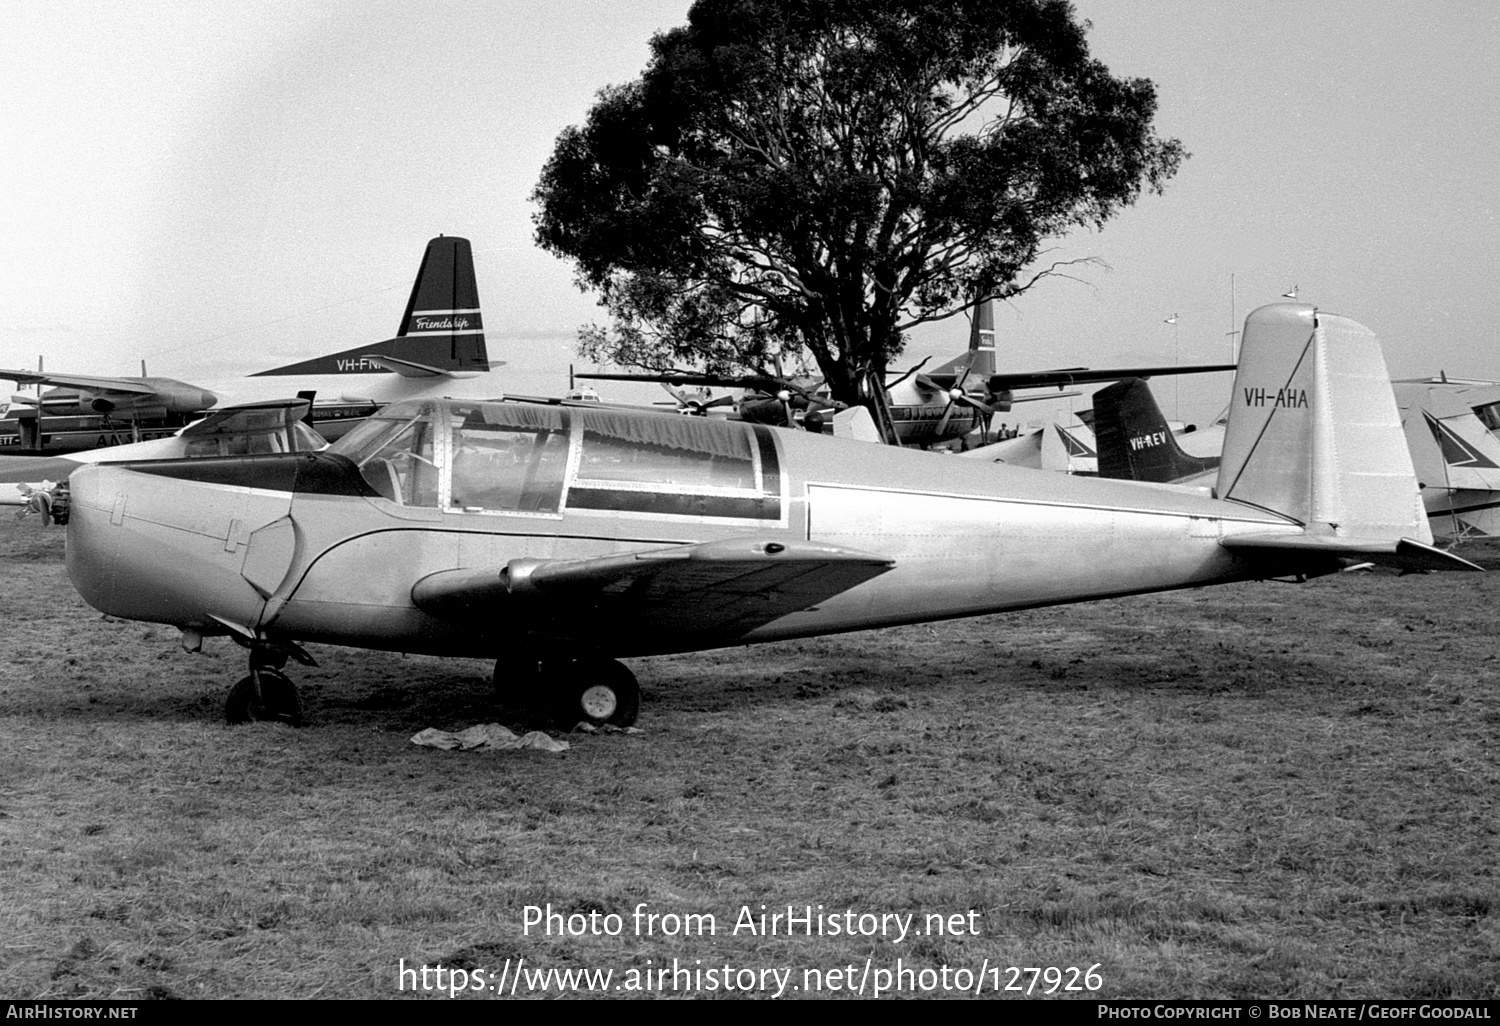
column 558, row 540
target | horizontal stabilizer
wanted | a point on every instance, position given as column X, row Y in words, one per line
column 728, row 586
column 405, row 368
column 1404, row 554
column 241, row 414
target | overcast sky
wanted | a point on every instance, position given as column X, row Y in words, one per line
column 218, row 188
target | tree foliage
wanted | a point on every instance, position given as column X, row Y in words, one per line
column 822, row 175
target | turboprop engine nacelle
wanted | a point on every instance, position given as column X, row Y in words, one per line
column 180, row 397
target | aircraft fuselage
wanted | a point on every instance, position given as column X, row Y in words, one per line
column 328, row 547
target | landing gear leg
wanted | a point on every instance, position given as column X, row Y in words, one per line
column 518, row 680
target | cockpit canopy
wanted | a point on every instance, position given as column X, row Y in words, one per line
column 517, row 458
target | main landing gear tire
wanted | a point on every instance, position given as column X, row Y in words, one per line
column 598, row 692
column 266, row 694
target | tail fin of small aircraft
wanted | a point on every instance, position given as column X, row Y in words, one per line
column 1315, row 436
column 1457, row 461
column 1069, row 449
column 1451, row 448
column 441, row 332
column 1135, row 443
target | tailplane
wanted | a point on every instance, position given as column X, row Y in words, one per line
column 441, row 332
column 1314, row 436
column 1135, row 443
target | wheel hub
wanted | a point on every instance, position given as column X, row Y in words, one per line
column 599, row 702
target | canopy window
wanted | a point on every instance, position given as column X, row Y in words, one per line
column 508, row 458
column 669, row 465
column 1489, row 415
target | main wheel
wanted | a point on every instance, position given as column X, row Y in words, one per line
column 599, row 692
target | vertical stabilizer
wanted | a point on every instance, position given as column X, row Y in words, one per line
column 444, row 303
column 1069, row 450
column 977, row 363
column 1314, row 433
column 1135, row 442
column 442, row 330
column 982, row 341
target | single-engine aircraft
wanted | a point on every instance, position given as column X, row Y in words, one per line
column 945, row 404
column 438, row 350
column 557, row 540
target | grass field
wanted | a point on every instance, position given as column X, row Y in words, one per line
column 1251, row 791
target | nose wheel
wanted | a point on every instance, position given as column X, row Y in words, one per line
column 266, row 694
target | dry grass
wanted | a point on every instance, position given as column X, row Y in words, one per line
column 1252, row 791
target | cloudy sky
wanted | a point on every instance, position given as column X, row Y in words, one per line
column 221, row 188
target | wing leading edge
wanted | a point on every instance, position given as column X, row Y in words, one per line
column 723, row 588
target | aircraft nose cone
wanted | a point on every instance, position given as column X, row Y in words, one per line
column 90, row 549
column 207, row 398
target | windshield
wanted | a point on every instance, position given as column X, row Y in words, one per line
column 395, row 453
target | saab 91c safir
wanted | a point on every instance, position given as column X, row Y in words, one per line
column 557, row 540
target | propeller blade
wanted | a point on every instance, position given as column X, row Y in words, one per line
column 947, row 412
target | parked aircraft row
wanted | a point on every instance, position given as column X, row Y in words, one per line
column 950, row 402
column 559, row 539
column 1457, row 459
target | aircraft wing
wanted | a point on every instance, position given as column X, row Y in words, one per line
column 722, row 588
column 89, row 383
column 1085, row 375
